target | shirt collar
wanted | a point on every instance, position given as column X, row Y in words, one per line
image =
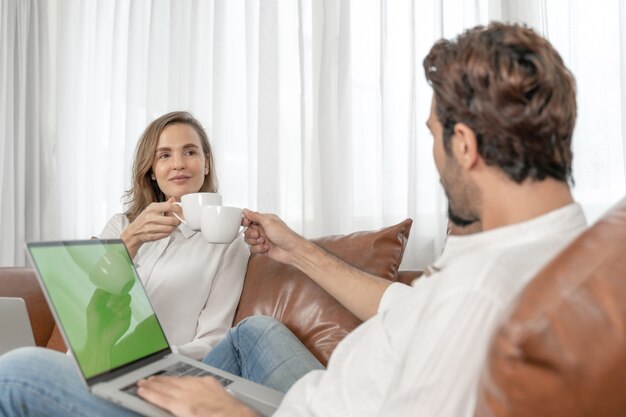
column 186, row 230
column 556, row 221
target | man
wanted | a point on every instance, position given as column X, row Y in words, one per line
column 502, row 118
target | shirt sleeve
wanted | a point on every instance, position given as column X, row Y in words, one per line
column 218, row 313
column 440, row 376
column 393, row 294
column 114, row 227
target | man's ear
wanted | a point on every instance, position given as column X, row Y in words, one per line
column 464, row 145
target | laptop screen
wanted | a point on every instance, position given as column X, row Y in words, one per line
column 99, row 301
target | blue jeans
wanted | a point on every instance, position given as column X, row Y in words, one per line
column 42, row 382
column 263, row 350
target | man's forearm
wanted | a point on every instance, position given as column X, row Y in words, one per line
column 358, row 291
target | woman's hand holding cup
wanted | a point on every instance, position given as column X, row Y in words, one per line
column 156, row 222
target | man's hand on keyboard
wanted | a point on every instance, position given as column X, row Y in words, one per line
column 192, row 397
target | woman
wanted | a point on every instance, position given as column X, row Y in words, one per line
column 194, row 286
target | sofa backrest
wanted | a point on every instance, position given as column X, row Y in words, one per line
column 562, row 349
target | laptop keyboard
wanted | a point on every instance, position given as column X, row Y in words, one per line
column 180, row 369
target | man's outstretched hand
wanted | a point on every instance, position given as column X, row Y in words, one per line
column 269, row 235
column 192, row 397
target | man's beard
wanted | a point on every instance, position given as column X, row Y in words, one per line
column 460, row 192
column 458, row 220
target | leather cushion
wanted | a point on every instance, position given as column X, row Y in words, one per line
column 22, row 283
column 316, row 318
column 562, row 350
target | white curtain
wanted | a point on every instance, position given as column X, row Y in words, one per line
column 26, row 127
column 315, row 108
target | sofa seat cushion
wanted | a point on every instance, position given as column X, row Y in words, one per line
column 317, row 319
column 562, row 350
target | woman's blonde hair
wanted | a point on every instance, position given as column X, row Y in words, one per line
column 144, row 190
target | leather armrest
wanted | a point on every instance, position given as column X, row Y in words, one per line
column 22, row 283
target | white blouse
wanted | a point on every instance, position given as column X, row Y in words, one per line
column 194, row 286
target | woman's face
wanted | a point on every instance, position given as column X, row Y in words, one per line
column 179, row 164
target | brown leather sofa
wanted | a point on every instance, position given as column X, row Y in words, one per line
column 270, row 288
column 560, row 352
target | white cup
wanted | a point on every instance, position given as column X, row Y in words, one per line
column 220, row 224
column 191, row 204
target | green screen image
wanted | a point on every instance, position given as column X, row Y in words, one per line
column 100, row 303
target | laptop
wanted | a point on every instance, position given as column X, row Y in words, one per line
column 110, row 327
column 14, row 325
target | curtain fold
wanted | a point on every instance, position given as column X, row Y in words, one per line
column 26, row 141
column 622, row 66
column 315, row 108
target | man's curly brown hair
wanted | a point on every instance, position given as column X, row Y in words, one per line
column 510, row 86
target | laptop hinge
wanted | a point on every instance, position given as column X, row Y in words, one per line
column 129, row 367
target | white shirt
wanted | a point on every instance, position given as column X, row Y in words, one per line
column 421, row 355
column 194, row 286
